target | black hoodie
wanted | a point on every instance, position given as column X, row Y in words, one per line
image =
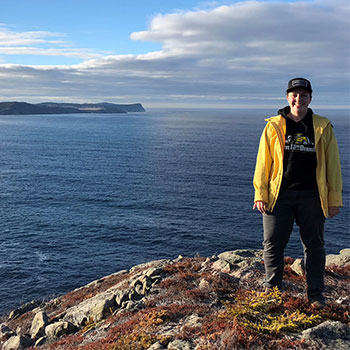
column 299, row 161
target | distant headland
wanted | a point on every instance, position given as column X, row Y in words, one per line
column 11, row 108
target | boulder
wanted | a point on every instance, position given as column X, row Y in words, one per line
column 134, row 296
column 154, row 272
column 23, row 309
column 203, row 284
column 241, row 261
column 328, row 335
column 298, row 267
column 39, row 323
column 179, row 345
column 240, row 256
column 121, row 296
column 131, row 306
column 193, row 321
column 5, row 332
column 94, row 309
column 341, row 259
column 156, row 346
column 222, row 265
column 142, row 285
column 60, row 328
column 17, row 342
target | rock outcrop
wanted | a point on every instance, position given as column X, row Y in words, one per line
column 174, row 304
column 341, row 259
column 328, row 335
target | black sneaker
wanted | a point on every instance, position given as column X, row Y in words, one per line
column 318, row 302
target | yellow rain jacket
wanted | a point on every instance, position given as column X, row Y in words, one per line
column 269, row 164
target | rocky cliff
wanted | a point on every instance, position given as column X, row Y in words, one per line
column 11, row 108
column 189, row 303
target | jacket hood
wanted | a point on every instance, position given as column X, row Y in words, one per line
column 320, row 122
column 285, row 111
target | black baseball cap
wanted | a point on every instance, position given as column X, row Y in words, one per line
column 299, row 83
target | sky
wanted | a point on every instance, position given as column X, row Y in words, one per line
column 174, row 53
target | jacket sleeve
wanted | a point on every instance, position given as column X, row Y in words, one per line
column 263, row 168
column 333, row 168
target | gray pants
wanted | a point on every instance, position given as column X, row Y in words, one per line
column 304, row 207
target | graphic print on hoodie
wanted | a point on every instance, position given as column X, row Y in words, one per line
column 299, row 162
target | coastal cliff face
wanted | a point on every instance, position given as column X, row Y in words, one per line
column 189, row 303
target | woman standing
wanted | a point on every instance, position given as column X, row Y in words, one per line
column 297, row 179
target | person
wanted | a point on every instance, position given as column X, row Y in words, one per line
column 297, row 179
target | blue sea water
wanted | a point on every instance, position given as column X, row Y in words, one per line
column 83, row 196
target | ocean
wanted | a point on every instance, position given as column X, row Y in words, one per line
column 83, row 196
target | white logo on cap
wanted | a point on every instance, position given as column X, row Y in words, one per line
column 299, row 83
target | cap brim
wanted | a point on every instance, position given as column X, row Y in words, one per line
column 299, row 87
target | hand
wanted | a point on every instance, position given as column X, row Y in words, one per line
column 333, row 211
column 261, row 206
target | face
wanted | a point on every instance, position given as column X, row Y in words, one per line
column 299, row 100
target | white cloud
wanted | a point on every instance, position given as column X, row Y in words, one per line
column 243, row 52
column 40, row 43
column 12, row 39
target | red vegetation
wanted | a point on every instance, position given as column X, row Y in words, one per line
column 190, row 304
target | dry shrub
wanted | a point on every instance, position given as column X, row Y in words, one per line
column 231, row 317
column 338, row 271
column 293, row 303
column 220, row 284
column 288, row 260
column 266, row 313
column 187, row 264
column 336, row 313
column 70, row 342
column 291, row 276
column 227, row 334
